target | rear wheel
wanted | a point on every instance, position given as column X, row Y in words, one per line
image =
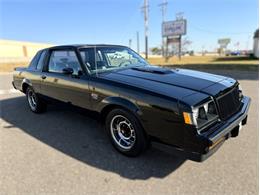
column 126, row 132
column 35, row 103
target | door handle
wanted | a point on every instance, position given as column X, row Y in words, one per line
column 43, row 77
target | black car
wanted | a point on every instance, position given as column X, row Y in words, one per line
column 190, row 112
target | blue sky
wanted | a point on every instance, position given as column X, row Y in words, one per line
column 117, row 21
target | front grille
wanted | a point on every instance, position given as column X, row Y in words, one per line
column 229, row 103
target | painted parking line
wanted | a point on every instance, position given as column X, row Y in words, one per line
column 8, row 91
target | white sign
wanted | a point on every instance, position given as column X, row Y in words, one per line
column 174, row 28
column 224, row 42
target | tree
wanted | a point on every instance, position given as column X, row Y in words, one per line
column 173, row 48
column 156, row 50
column 185, row 43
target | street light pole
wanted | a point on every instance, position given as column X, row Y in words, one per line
column 179, row 16
column 163, row 6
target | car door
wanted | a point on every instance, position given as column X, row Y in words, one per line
column 69, row 88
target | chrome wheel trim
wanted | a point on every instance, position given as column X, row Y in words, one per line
column 31, row 97
column 122, row 132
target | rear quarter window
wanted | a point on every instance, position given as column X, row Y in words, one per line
column 41, row 61
column 34, row 62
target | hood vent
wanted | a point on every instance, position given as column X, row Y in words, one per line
column 155, row 70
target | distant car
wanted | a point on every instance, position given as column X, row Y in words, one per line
column 191, row 112
column 233, row 53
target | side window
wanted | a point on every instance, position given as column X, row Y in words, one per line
column 91, row 60
column 64, row 59
column 33, row 63
column 41, row 61
column 88, row 57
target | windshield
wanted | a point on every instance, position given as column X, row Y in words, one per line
column 106, row 58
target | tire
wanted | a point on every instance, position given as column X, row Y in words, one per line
column 36, row 104
column 121, row 124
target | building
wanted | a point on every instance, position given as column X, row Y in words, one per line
column 12, row 51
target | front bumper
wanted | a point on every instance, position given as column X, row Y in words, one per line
column 232, row 123
column 215, row 137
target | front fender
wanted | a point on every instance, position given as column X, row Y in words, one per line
column 118, row 101
column 25, row 82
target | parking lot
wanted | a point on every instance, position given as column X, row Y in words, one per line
column 67, row 152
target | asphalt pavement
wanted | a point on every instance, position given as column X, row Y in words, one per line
column 65, row 152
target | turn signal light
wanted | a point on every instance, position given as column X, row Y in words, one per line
column 187, row 118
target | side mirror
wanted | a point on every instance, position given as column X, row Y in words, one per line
column 67, row 71
column 80, row 73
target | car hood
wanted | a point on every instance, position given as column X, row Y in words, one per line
column 154, row 77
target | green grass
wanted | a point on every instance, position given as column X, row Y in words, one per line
column 208, row 62
column 204, row 60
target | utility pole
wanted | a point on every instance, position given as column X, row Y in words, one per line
column 180, row 47
column 137, row 42
column 145, row 10
column 163, row 6
column 179, row 16
column 130, row 43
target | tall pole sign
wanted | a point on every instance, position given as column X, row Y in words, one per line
column 223, row 43
column 174, row 29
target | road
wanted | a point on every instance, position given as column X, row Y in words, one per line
column 66, row 152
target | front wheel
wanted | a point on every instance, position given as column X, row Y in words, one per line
column 35, row 103
column 126, row 132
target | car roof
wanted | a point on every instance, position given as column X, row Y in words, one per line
column 83, row 45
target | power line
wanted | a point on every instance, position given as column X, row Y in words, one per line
column 217, row 32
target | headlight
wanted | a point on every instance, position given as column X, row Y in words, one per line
column 240, row 92
column 201, row 115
